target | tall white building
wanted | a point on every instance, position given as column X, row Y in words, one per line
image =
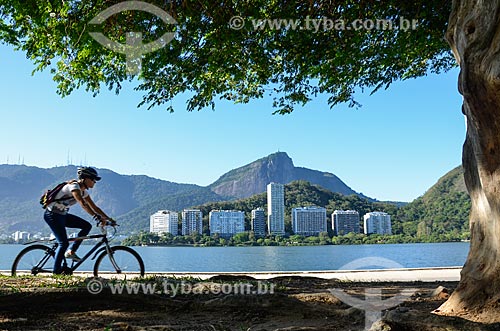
column 345, row 221
column 259, row 222
column 21, row 235
column 226, row 223
column 192, row 221
column 276, row 209
column 377, row 222
column 309, row 221
column 164, row 221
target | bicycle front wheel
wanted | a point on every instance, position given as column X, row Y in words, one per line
column 122, row 260
column 33, row 260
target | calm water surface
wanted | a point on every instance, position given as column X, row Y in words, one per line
column 276, row 258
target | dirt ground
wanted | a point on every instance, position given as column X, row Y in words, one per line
column 296, row 303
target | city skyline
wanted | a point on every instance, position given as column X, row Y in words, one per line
column 307, row 221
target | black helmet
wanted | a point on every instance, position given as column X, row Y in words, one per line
column 87, row 172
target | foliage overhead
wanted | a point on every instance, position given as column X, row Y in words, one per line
column 210, row 61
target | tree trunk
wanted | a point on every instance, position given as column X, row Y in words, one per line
column 474, row 35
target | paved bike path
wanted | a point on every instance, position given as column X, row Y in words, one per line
column 383, row 275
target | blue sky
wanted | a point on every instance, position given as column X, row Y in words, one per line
column 392, row 148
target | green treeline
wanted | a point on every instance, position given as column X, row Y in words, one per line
column 248, row 239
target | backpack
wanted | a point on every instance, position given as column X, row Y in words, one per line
column 50, row 195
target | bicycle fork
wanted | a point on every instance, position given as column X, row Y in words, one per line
column 112, row 259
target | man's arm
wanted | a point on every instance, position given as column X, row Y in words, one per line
column 96, row 209
column 77, row 194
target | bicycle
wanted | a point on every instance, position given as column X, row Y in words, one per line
column 39, row 258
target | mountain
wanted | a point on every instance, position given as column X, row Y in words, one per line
column 444, row 208
column 451, row 182
column 21, row 187
column 279, row 168
column 132, row 198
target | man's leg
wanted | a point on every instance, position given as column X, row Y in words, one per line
column 76, row 222
column 56, row 223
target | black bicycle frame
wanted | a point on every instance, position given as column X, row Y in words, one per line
column 74, row 266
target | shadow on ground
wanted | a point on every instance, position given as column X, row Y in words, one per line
column 297, row 303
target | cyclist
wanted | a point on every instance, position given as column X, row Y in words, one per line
column 57, row 216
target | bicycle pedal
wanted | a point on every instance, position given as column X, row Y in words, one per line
column 66, row 270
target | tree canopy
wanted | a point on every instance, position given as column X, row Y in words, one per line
column 291, row 60
column 208, row 60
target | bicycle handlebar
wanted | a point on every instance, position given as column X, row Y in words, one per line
column 110, row 222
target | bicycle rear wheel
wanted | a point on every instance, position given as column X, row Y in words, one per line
column 122, row 260
column 33, row 260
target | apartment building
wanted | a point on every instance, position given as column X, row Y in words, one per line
column 164, row 221
column 276, row 209
column 258, row 222
column 226, row 223
column 377, row 222
column 192, row 221
column 345, row 221
column 309, row 221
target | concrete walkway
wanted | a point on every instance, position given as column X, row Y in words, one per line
column 384, row 275
column 449, row 274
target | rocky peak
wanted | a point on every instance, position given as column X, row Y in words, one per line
column 277, row 167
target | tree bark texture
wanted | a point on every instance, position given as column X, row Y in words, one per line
column 474, row 35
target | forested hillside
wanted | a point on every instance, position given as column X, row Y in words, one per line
column 443, row 209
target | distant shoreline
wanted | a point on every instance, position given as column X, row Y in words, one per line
column 274, row 245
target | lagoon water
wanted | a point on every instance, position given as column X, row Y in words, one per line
column 282, row 258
